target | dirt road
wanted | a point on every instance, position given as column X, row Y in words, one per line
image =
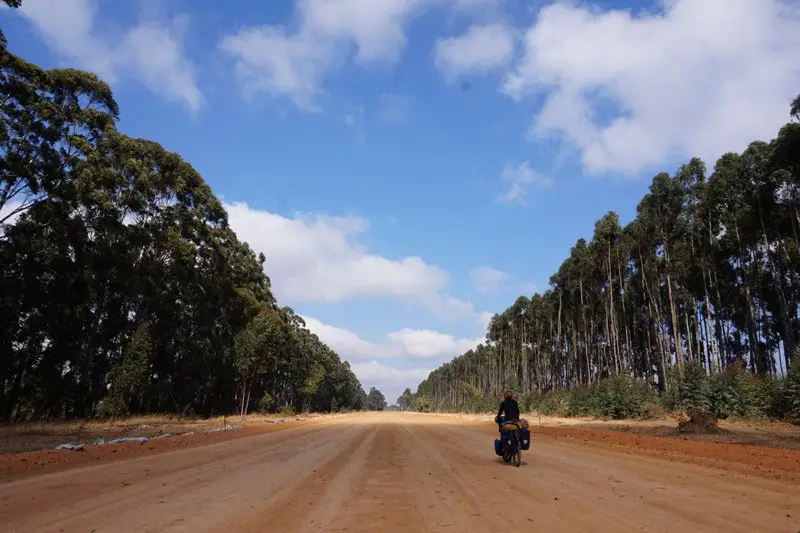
column 396, row 472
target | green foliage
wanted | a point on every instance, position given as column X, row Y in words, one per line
column 554, row 403
column 287, row 410
column 375, row 400
column 693, row 388
column 130, row 375
column 788, row 393
column 737, row 393
column 124, row 290
column 422, row 404
column 266, row 404
column 619, row 397
column 703, row 278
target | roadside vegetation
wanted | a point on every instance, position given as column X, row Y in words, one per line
column 123, row 289
column 694, row 304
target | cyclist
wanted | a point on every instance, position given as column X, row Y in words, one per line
column 508, row 406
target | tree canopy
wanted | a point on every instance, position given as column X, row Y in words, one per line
column 706, row 276
column 375, row 400
column 123, row 289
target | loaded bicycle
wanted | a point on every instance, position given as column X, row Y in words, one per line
column 514, row 438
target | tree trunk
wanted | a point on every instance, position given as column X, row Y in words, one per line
column 676, row 331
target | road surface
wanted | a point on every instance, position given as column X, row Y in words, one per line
column 396, row 472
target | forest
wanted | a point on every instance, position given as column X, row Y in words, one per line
column 694, row 303
column 123, row 290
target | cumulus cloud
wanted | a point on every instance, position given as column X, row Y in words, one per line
column 344, row 342
column 522, row 178
column 372, row 361
column 151, row 51
column 480, row 49
column 425, row 343
column 292, row 64
column 391, row 381
column 404, row 343
column 487, row 279
column 633, row 91
column 319, row 258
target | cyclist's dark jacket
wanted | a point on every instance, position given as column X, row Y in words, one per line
column 511, row 408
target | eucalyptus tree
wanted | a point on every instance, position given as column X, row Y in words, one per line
column 123, row 289
column 705, row 276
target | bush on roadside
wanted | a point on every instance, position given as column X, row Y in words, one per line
column 736, row 393
column 266, row 404
column 619, row 397
column 786, row 403
column 733, row 393
column 554, row 403
column 286, row 410
column 689, row 388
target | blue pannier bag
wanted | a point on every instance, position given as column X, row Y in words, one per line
column 524, row 439
column 498, row 447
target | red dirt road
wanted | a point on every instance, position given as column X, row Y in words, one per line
column 409, row 473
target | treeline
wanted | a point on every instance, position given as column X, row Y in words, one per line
column 704, row 281
column 375, row 400
column 122, row 287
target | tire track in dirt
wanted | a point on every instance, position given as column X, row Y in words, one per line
column 397, row 472
column 310, row 506
column 177, row 471
column 248, row 473
column 573, row 488
column 382, row 496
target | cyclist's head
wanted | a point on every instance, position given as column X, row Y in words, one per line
column 508, row 393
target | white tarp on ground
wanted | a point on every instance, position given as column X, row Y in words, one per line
column 100, row 441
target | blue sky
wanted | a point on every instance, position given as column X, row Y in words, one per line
column 410, row 166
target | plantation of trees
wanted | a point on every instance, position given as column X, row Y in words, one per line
column 694, row 303
column 123, row 289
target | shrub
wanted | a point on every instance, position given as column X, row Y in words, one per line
column 554, row 403
column 619, row 397
column 579, row 403
column 693, row 388
column 740, row 394
column 286, row 410
column 266, row 404
column 789, row 392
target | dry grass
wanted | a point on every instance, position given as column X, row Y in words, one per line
column 758, row 433
column 42, row 435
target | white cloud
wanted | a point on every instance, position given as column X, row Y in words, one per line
column 319, row 258
column 293, row 64
column 522, row 178
column 344, row 342
column 155, row 52
column 487, row 279
column 405, row 343
column 700, row 78
column 479, row 50
column 407, row 347
column 389, row 380
column 151, row 52
column 425, row 343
